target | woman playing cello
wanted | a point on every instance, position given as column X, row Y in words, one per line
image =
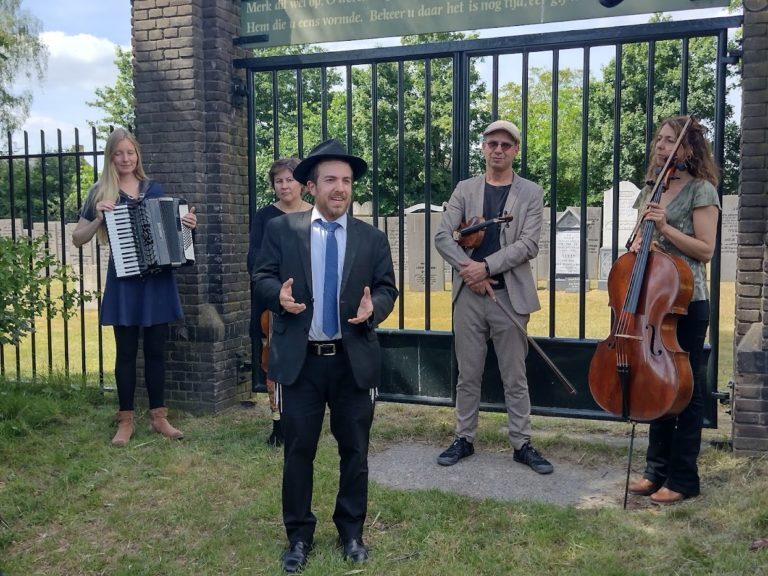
column 685, row 225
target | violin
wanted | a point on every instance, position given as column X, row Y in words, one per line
column 266, row 330
column 640, row 372
column 471, row 233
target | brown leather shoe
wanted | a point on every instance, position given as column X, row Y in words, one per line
column 666, row 496
column 642, row 487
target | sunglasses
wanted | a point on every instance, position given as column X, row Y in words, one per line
column 493, row 144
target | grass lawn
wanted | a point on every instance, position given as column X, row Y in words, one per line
column 70, row 503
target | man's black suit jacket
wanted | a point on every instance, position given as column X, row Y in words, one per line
column 367, row 262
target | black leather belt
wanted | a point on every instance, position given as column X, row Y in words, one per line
column 330, row 348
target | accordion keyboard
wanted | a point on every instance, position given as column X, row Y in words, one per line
column 121, row 241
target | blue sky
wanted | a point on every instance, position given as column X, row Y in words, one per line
column 81, row 36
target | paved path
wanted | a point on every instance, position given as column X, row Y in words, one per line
column 489, row 474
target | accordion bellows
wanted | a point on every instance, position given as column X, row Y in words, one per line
column 149, row 236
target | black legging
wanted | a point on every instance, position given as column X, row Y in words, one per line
column 127, row 348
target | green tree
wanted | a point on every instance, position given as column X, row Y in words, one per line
column 634, row 109
column 28, row 272
column 286, row 113
column 569, row 125
column 116, row 101
column 415, row 85
column 21, row 54
column 48, row 184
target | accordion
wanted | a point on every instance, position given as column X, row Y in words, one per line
column 149, row 236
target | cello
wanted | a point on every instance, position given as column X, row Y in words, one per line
column 640, row 372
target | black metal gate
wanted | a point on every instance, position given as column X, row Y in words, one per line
column 416, row 113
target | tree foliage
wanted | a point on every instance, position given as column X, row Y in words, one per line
column 116, row 101
column 22, row 54
column 28, row 273
column 37, row 185
column 634, row 110
column 402, row 90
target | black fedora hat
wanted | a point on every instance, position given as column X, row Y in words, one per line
column 329, row 150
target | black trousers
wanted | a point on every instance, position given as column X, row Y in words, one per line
column 325, row 380
column 674, row 443
column 126, row 351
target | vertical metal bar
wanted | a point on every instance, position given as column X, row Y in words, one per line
column 428, row 194
column 300, row 112
column 524, row 117
column 275, row 118
column 63, row 239
column 348, row 107
column 401, row 187
column 100, row 329
column 348, row 119
column 460, row 136
column 251, row 152
column 78, row 192
column 583, row 189
column 12, row 215
column 616, row 149
column 28, row 192
column 44, row 187
column 684, row 66
column 324, row 102
column 495, row 87
column 375, row 142
column 650, row 89
column 553, row 191
column 719, row 153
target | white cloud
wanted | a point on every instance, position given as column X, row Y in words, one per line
column 80, row 61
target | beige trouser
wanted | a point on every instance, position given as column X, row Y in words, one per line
column 476, row 319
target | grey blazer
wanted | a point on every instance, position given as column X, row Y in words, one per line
column 367, row 262
column 519, row 238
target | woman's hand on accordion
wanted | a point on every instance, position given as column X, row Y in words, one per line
column 190, row 219
column 104, row 206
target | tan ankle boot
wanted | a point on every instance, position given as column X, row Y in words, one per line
column 124, row 427
column 159, row 423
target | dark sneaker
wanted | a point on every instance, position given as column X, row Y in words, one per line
column 530, row 457
column 461, row 448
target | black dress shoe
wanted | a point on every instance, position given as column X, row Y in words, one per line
column 355, row 550
column 295, row 558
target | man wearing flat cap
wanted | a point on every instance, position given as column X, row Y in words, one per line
column 330, row 281
column 495, row 273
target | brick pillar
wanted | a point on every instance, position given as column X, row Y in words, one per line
column 750, row 406
column 193, row 136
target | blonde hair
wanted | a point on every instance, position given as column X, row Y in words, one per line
column 107, row 187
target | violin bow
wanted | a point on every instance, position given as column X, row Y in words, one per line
column 555, row 370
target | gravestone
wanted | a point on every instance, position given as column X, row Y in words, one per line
column 729, row 237
column 626, row 222
column 542, row 260
column 568, row 250
column 415, row 219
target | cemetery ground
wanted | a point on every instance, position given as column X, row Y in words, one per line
column 70, row 503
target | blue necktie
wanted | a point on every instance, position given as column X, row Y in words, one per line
column 330, row 308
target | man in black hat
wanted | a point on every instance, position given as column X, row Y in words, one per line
column 329, row 278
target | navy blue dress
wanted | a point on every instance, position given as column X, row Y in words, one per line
column 135, row 301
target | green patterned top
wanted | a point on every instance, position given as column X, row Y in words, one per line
column 679, row 211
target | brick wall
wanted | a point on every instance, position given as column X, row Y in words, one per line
column 193, row 139
column 750, row 404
